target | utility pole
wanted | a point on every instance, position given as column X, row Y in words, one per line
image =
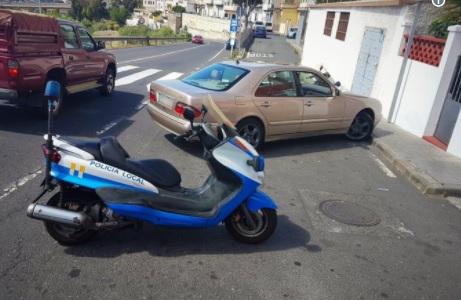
column 39, row 6
column 404, row 62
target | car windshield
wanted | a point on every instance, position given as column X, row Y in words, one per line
column 216, row 77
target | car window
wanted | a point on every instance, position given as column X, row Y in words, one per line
column 87, row 41
column 277, row 84
column 70, row 38
column 313, row 85
column 216, row 77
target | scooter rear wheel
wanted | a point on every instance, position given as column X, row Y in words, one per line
column 63, row 234
column 265, row 223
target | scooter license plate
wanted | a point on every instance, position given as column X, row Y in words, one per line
column 165, row 101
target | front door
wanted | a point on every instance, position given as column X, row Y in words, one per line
column 277, row 99
column 451, row 107
column 322, row 111
column 94, row 59
column 73, row 55
column 368, row 61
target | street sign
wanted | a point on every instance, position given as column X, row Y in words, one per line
column 232, row 34
column 233, row 25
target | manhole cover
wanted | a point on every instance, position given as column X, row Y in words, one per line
column 349, row 213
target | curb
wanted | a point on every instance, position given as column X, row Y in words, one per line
column 424, row 182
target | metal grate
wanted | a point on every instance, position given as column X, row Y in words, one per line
column 455, row 87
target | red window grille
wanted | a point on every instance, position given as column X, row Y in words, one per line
column 425, row 48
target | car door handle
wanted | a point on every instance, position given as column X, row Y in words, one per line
column 266, row 104
column 71, row 57
column 308, row 103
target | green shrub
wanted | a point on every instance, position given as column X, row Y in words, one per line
column 139, row 30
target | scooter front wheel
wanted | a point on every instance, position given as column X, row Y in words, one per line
column 254, row 231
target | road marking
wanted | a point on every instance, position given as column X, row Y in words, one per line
column 170, row 76
column 148, row 87
column 20, row 182
column 159, row 55
column 384, row 168
column 219, row 52
column 455, row 201
column 142, row 104
column 126, row 68
column 135, row 77
column 109, row 126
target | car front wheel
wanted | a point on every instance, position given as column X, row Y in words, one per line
column 361, row 128
column 108, row 84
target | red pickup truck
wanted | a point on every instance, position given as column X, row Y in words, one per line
column 35, row 49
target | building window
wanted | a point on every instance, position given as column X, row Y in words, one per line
column 329, row 23
column 342, row 26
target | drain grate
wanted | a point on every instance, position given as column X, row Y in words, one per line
column 349, row 213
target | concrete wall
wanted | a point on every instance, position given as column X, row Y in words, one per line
column 208, row 27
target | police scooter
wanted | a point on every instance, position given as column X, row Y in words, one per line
column 101, row 187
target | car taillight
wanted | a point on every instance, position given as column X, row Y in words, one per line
column 55, row 156
column 153, row 96
column 13, row 68
column 180, row 107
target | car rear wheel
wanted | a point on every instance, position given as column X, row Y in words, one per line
column 361, row 128
column 252, row 131
column 108, row 83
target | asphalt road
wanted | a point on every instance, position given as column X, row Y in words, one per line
column 412, row 254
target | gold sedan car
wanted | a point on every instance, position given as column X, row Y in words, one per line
column 266, row 102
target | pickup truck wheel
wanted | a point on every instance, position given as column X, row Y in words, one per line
column 108, row 83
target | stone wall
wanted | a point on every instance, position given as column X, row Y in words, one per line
column 208, row 27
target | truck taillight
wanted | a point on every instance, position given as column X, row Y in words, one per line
column 13, row 68
column 180, row 107
column 55, row 156
column 152, row 96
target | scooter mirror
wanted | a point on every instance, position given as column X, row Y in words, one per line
column 189, row 114
column 53, row 89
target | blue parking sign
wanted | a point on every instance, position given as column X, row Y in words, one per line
column 233, row 25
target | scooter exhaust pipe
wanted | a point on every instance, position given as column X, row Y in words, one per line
column 58, row 215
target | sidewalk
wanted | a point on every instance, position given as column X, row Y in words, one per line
column 431, row 169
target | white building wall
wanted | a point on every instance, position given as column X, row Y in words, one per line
column 340, row 57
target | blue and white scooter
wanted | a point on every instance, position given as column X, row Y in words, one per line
column 101, row 187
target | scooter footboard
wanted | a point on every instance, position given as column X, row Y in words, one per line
column 260, row 200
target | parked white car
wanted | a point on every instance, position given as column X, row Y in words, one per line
column 269, row 27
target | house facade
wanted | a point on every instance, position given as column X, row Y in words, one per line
column 361, row 45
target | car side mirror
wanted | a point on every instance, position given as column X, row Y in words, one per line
column 189, row 114
column 101, row 45
column 337, row 83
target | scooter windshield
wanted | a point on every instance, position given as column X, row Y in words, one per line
column 216, row 113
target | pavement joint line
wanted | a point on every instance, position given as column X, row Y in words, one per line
column 141, row 105
column 158, row 55
column 219, row 52
column 20, row 182
column 110, row 126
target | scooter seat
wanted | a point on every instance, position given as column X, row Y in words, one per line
column 158, row 172
column 91, row 146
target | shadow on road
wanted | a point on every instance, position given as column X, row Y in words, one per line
column 83, row 115
column 181, row 242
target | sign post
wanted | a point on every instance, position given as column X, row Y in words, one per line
column 233, row 31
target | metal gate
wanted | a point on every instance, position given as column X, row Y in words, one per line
column 451, row 107
column 368, row 61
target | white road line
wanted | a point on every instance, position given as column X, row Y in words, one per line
column 148, row 87
column 219, row 52
column 159, row 55
column 142, row 104
column 170, row 76
column 109, row 126
column 384, row 168
column 135, row 77
column 126, row 68
column 18, row 183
